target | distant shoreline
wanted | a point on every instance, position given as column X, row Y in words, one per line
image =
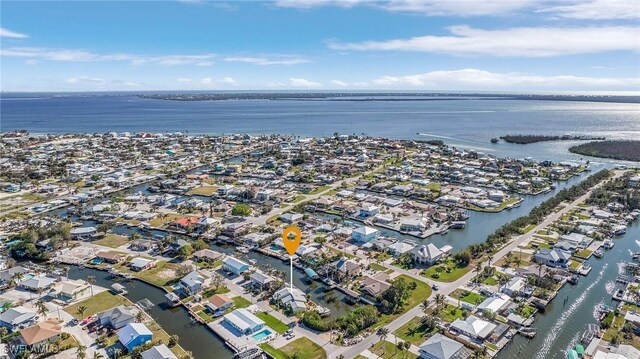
column 625, row 150
column 526, row 139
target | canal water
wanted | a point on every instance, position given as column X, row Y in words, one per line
column 561, row 326
column 194, row 337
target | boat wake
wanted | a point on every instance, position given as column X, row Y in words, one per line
column 610, row 287
column 552, row 335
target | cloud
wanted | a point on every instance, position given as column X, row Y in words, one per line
column 182, row 79
column 597, row 10
column 343, row 84
column 515, row 42
column 308, row 4
column 457, row 7
column 85, row 79
column 229, row 81
column 475, row 79
column 303, row 83
column 99, row 82
column 12, row 34
column 266, row 61
column 73, row 55
column 208, row 81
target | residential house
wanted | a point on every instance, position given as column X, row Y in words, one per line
column 473, row 327
column 374, row 287
column 83, row 233
column 116, row 317
column 369, row 210
column 17, row 317
column 193, row 283
column 236, row 229
column 139, row 264
column 364, row 234
column 207, row 255
column 442, row 347
column 158, row 352
column 218, row 302
column 552, row 257
column 295, row 299
column 42, row 333
column 234, row 265
column 261, row 280
column 517, row 287
column 111, row 257
column 133, row 335
column 37, row 283
column 142, row 245
column 347, row 268
column 427, row 254
column 69, row 290
column 291, row 217
column 244, row 321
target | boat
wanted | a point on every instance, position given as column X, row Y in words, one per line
column 573, row 279
column 243, row 249
column 608, row 244
column 527, row 332
column 598, row 253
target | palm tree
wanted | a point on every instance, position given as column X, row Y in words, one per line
column 439, row 299
column 425, row 306
column 91, row 280
column 81, row 352
column 477, row 269
column 399, row 346
column 139, row 317
column 42, row 308
column 407, row 346
column 383, row 333
column 81, row 310
column 97, row 355
column 116, row 353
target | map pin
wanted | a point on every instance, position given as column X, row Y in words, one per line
column 291, row 244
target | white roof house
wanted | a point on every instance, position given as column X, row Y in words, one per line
column 474, row 327
column 427, row 254
column 442, row 347
column 495, row 303
column 295, row 298
column 244, row 321
column 158, row 352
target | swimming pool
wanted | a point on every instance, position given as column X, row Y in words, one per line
column 261, row 335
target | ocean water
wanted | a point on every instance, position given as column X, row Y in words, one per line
column 470, row 122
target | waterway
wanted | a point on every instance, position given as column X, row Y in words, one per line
column 561, row 326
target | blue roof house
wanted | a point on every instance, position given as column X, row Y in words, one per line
column 234, row 265
column 133, row 335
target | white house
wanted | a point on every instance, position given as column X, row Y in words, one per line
column 364, row 234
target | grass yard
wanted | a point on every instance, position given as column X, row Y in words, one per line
column 583, row 253
column 276, row 353
column 377, row 267
column 299, row 198
column 468, row 296
column 422, row 292
column 528, row 228
column 203, row 191
column 490, row 281
column 112, row 240
column 273, row 322
column 304, row 348
column 96, row 304
column 450, row 313
column 240, row 302
column 161, row 220
column 161, row 275
column 413, row 331
column 388, row 350
column 447, row 271
column 320, row 189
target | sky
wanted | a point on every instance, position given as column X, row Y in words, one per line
column 412, row 45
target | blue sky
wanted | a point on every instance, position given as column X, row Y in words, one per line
column 417, row 45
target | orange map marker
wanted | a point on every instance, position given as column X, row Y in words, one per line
column 291, row 244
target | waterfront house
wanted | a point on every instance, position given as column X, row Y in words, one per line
column 158, row 352
column 295, row 300
column 69, row 290
column 261, row 280
column 139, row 264
column 577, row 239
column 364, row 234
column 553, row 258
column 37, row 283
column 368, row 210
column 116, row 317
column 193, row 283
column 256, row 239
column 83, row 233
column 111, row 257
column 17, row 317
column 243, row 321
column 133, row 335
column 347, row 268
column 236, row 229
column 42, row 333
column 473, row 327
column 185, row 223
column 374, row 287
column 234, row 265
column 442, row 347
column 413, row 224
column 142, row 245
column 11, row 273
column 291, row 218
column 427, row 254
column 517, row 287
column 207, row 255
column 218, row 302
column 495, row 303
column 399, row 248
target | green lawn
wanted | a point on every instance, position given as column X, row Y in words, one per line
column 388, row 350
column 528, row 228
column 162, row 220
column 276, row 353
column 468, row 296
column 96, row 304
column 450, row 313
column 160, row 275
column 319, row 189
column 583, row 253
column 112, row 240
column 527, row 311
column 203, row 191
column 449, row 271
column 413, row 331
column 273, row 322
column 240, row 302
column 490, row 281
column 377, row 267
column 304, row 348
column 299, row 198
column 422, row 292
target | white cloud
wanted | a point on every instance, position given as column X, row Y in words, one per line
column 339, row 83
column 85, row 79
column 85, row 56
column 267, row 61
column 12, row 34
column 519, row 42
column 308, row 4
column 182, row 79
column 344, row 84
column 229, row 81
column 208, row 81
column 596, row 9
column 475, row 79
column 458, row 7
column 303, row 83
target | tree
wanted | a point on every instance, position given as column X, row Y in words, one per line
column 97, row 355
column 400, row 346
column 173, row 340
column 383, row 333
column 81, row 309
column 425, row 305
column 117, row 352
column 439, row 299
column 394, row 298
column 91, row 280
column 241, row 209
column 81, row 352
column 140, row 316
column 185, row 251
column 42, row 308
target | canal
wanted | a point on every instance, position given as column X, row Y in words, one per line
column 561, row 326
